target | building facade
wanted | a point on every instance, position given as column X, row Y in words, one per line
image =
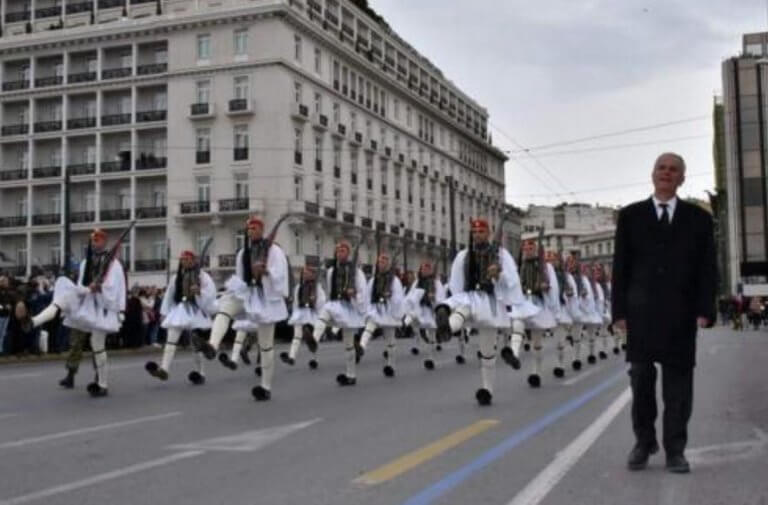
column 745, row 82
column 188, row 115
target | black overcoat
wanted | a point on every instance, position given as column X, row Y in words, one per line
column 664, row 277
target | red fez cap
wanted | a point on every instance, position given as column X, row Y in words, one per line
column 480, row 224
column 254, row 221
column 188, row 255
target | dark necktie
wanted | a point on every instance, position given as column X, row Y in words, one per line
column 664, row 214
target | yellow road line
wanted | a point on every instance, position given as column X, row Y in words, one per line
column 424, row 454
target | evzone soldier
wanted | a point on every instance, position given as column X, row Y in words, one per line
column 601, row 332
column 603, row 291
column 257, row 291
column 482, row 282
column 345, row 306
column 558, row 288
column 589, row 307
column 574, row 294
column 187, row 305
column 535, row 280
column 308, row 298
column 92, row 305
column 425, row 293
column 385, row 310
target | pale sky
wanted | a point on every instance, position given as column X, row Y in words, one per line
column 551, row 71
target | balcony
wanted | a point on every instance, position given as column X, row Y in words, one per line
column 81, row 77
column 115, row 119
column 366, row 222
column 233, row 205
column 196, row 207
column 239, row 106
column 53, row 80
column 300, row 111
column 394, row 229
column 357, row 138
column 82, row 217
column 14, row 175
column 108, row 167
column 431, row 239
column 46, row 219
column 108, row 4
column 312, row 208
column 13, row 222
column 76, row 8
column 298, row 157
column 348, row 218
column 201, row 110
column 43, row 172
column 381, row 226
column 81, row 169
column 47, row 126
column 420, row 236
column 116, row 73
column 151, row 162
column 15, row 129
column 388, row 152
column 227, row 260
column 240, row 153
column 373, row 145
column 202, row 157
column 320, row 121
column 15, row 85
column 115, row 214
column 81, row 122
column 318, row 165
column 330, row 213
column 340, row 130
column 151, row 115
column 157, row 265
column 152, row 68
column 151, row 212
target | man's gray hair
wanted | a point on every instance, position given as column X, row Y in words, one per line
column 672, row 155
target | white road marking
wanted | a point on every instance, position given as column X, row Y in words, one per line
column 102, row 477
column 548, row 478
column 246, row 442
column 81, row 431
column 6, row 416
column 20, row 375
column 726, row 453
column 581, row 376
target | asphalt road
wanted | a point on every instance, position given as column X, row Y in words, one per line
column 417, row 439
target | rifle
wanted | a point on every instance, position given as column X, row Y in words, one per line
column 543, row 276
column 113, row 254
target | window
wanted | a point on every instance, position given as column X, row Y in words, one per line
column 241, row 87
column 319, row 192
column 337, row 154
column 203, row 47
column 159, row 249
column 298, row 188
column 203, row 93
column 241, row 186
column 298, row 145
column 241, row 42
column 397, row 109
column 241, row 142
column 203, row 184
column 318, row 103
column 297, row 242
column 297, row 48
column 336, row 112
column 408, row 116
column 297, row 92
column 318, row 152
column 318, row 244
column 318, row 60
column 203, row 145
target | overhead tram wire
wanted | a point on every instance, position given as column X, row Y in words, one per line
column 622, row 146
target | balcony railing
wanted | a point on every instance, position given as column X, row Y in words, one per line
column 152, row 68
column 15, row 17
column 115, row 214
column 348, row 218
column 81, row 169
column 312, row 208
column 381, row 226
column 13, row 221
column 151, row 115
column 156, row 265
column 13, row 175
column 151, row 212
column 199, row 109
column 74, row 8
column 366, row 222
column 233, row 204
column 42, row 172
column 82, row 217
column 81, row 122
column 330, row 213
column 47, row 126
column 115, row 119
column 240, row 153
column 227, row 260
column 239, row 105
column 115, row 166
column 196, row 207
column 341, row 128
column 150, row 162
column 46, row 219
column 107, row 4
column 297, row 157
column 51, row 80
column 202, row 157
column 15, row 85
column 420, row 236
column 15, row 129
column 81, row 77
column 116, row 73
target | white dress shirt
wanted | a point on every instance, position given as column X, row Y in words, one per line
column 671, row 204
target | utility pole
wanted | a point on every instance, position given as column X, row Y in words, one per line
column 66, row 246
column 452, row 211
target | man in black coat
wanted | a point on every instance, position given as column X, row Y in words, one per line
column 664, row 287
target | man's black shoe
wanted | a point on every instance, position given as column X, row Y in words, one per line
column 678, row 464
column 638, row 458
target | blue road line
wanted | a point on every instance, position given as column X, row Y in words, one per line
column 456, row 477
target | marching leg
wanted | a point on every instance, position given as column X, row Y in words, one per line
column 290, row 356
column 218, row 330
column 389, row 356
column 237, row 347
column 591, row 358
column 429, row 361
column 559, row 370
column 169, row 351
column 77, row 341
column 48, row 314
column 578, row 338
column 511, row 354
column 603, row 336
column 487, row 336
column 349, row 378
column 197, row 376
column 463, row 337
column 267, row 351
column 99, row 387
column 534, row 379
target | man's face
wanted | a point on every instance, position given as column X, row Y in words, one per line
column 668, row 174
column 597, row 272
column 255, row 231
column 383, row 263
column 426, row 269
column 480, row 235
column 409, row 277
column 99, row 242
column 342, row 252
column 529, row 249
column 585, row 270
column 570, row 264
column 188, row 262
column 309, row 274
